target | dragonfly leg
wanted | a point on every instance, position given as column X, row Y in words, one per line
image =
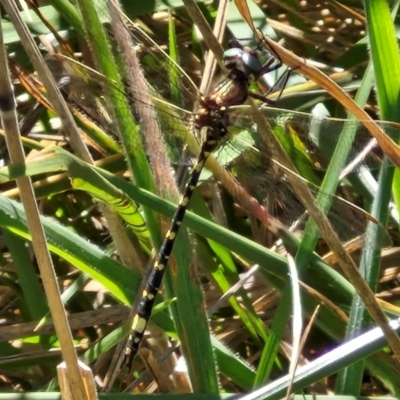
column 235, row 43
column 270, row 66
column 281, row 82
column 262, row 98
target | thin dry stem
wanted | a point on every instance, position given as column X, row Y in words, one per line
column 205, row 29
column 10, row 124
column 219, row 30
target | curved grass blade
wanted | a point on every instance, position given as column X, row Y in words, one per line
column 102, row 190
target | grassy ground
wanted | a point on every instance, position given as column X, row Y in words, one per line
column 105, row 193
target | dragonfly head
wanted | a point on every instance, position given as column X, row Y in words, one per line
column 242, row 60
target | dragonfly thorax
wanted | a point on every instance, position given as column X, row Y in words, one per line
column 233, row 91
column 215, row 120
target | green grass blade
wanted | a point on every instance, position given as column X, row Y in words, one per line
column 384, row 52
column 129, row 130
column 102, row 190
column 32, row 290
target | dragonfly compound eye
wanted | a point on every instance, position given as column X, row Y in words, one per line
column 245, row 61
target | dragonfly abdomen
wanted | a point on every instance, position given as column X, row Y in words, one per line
column 153, row 284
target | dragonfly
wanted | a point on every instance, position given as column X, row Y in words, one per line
column 213, row 118
column 218, row 113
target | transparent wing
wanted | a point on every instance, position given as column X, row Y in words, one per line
column 308, row 140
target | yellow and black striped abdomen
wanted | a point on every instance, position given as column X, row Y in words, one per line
column 153, row 284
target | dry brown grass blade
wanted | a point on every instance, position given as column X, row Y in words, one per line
column 245, row 12
column 49, row 280
column 87, row 377
column 205, row 29
column 29, row 84
column 219, row 30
